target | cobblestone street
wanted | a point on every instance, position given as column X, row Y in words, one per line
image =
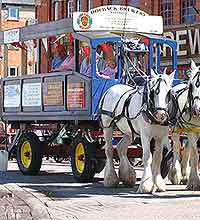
column 55, row 195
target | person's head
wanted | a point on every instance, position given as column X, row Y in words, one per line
column 59, row 51
column 111, row 62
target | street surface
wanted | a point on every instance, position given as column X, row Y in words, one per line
column 54, row 195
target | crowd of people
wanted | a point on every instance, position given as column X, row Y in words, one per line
column 63, row 59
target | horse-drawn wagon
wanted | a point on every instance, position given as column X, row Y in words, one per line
column 56, row 113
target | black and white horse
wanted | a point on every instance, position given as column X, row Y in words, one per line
column 188, row 100
column 143, row 111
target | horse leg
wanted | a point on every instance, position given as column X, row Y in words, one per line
column 126, row 172
column 194, row 180
column 110, row 176
column 175, row 171
column 146, row 184
column 159, row 184
column 185, row 169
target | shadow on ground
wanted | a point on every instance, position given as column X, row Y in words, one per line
column 61, row 185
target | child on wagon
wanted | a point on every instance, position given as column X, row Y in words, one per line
column 111, row 69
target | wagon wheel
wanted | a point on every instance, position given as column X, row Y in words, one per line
column 83, row 159
column 29, row 154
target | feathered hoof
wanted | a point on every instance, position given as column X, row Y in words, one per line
column 129, row 178
column 146, row 187
column 111, row 180
column 160, row 185
column 111, row 183
column 184, row 180
column 174, row 176
column 193, row 184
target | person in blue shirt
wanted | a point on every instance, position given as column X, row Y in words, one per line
column 59, row 56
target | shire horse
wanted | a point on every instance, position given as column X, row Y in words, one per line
column 140, row 110
column 188, row 101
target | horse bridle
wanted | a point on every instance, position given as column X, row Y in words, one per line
column 191, row 99
column 148, row 100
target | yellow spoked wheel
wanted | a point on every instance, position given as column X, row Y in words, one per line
column 83, row 161
column 80, row 158
column 26, row 154
column 29, row 154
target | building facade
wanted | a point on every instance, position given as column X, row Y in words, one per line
column 15, row 14
column 181, row 21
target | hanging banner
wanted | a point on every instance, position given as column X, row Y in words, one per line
column 31, row 94
column 12, row 96
column 117, row 18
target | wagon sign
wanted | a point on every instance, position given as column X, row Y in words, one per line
column 117, row 18
column 76, row 95
column 31, row 94
column 11, row 96
column 53, row 93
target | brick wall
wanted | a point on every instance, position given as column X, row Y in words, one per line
column 46, row 11
column 15, row 55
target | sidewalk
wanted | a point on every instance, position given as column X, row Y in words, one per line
column 17, row 204
column 12, row 207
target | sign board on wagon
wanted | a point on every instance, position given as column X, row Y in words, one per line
column 31, row 94
column 76, row 95
column 11, row 96
column 53, row 93
column 117, row 18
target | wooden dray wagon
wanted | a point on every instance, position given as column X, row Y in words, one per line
column 56, row 114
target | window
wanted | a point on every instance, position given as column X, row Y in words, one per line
column 90, row 4
column 56, row 10
column 115, row 2
column 70, row 8
column 133, row 3
column 80, row 5
column 188, row 11
column 166, row 11
column 13, row 14
column 12, row 71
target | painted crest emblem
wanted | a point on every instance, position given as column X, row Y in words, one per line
column 84, row 21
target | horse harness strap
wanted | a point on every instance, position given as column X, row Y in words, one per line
column 112, row 114
column 180, row 120
column 125, row 112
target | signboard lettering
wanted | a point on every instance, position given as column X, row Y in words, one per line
column 31, row 94
column 76, row 95
column 53, row 93
column 11, row 96
column 117, row 18
column 188, row 42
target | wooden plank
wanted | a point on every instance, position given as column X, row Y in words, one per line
column 42, row 30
